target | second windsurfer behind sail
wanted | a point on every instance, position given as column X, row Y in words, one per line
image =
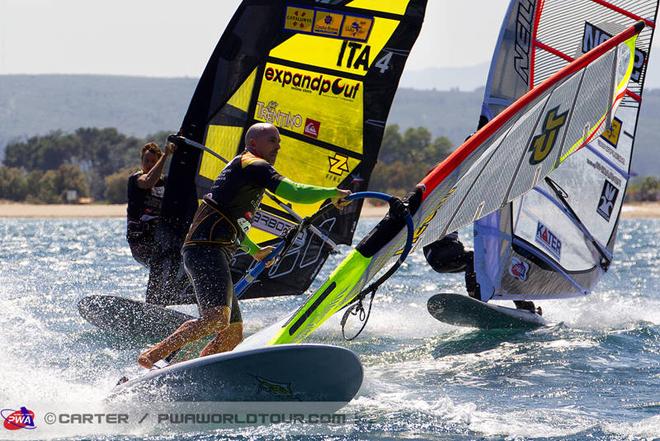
column 219, row 228
column 448, row 255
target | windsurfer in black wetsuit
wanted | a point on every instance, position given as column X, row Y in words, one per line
column 145, row 194
column 448, row 255
column 218, row 230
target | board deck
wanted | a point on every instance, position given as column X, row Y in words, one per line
column 130, row 318
column 461, row 310
column 293, row 373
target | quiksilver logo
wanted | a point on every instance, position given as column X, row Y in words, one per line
column 312, row 128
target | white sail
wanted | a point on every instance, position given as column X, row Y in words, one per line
column 557, row 240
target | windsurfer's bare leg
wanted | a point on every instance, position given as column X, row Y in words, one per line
column 208, row 268
column 225, row 340
column 211, row 321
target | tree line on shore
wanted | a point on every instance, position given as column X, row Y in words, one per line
column 95, row 163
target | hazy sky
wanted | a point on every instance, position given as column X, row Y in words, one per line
column 172, row 38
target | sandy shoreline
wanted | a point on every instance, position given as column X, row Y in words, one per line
column 645, row 210
column 61, row 210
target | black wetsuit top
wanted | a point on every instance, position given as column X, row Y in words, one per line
column 226, row 212
column 144, row 201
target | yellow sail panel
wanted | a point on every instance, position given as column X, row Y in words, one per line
column 389, row 6
column 321, row 106
column 303, row 210
column 310, row 164
column 241, row 99
column 224, row 141
column 306, row 164
column 355, row 57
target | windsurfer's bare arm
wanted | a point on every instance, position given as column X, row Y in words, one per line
column 149, row 179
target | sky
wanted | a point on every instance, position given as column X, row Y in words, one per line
column 174, row 38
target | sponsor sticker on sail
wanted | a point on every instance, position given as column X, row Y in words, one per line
column 299, row 19
column 312, row 128
column 608, row 198
column 612, row 134
column 356, row 27
column 548, row 240
column 327, row 23
column 519, row 269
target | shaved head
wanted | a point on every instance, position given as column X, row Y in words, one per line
column 257, row 131
column 263, row 140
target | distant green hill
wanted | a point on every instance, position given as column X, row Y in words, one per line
column 37, row 104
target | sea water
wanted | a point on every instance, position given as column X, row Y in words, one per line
column 594, row 373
